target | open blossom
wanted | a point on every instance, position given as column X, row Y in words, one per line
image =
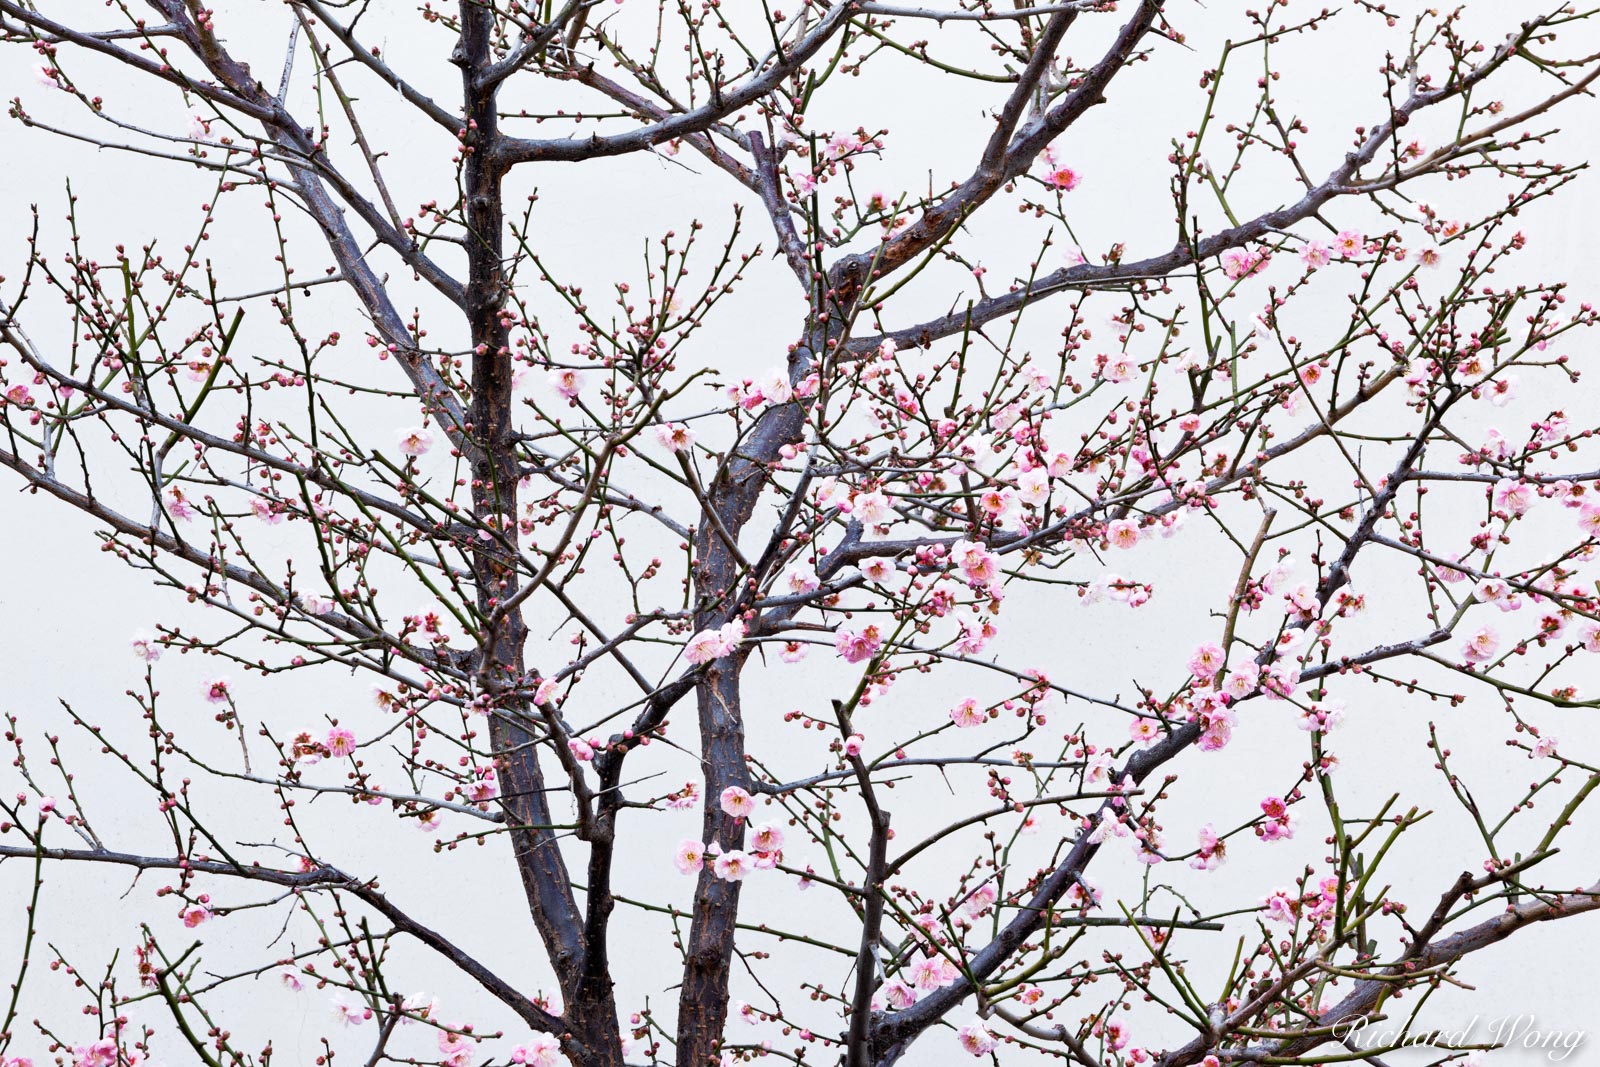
column 194, row 915
column 350, row 1014
column 1590, row 637
column 932, row 972
column 1213, row 851
column 977, row 564
column 872, row 509
column 801, row 580
column 1280, row 906
column 690, row 857
column 1144, row 730
column 416, row 441
column 146, row 648
column 1321, row 716
column 877, row 569
column 733, row 866
column 766, row 838
column 736, row 802
column 674, row 436
column 1315, row 254
column 981, row 900
column 1241, row 262
column 454, row 1049
column 566, row 382
column 217, row 691
column 19, row 395
column 542, row 1050
column 1122, row 533
column 976, row 1039
column 1481, row 645
column 708, row 645
column 340, row 743
column 1511, row 497
column 1348, row 243
column 100, row 1054
column 899, row 994
column 1545, row 746
column 317, row 605
column 1502, row 390
column 855, row 647
column 1119, row 370
column 1107, row 826
column 1206, row 662
column 178, row 505
column 1498, row 592
column 975, row 633
column 484, row 789
column 1033, row 487
column 968, row 713
column 1064, row 178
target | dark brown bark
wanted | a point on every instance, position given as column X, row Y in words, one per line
column 589, row 1010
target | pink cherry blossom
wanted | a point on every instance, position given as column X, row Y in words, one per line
column 975, row 633
column 858, row 646
column 1242, row 262
column 932, row 972
column 484, row 788
column 1064, row 178
column 766, row 838
column 217, row 691
column 340, row 743
column 566, row 382
column 1315, row 254
column 1481, row 645
column 967, row 713
column 674, row 436
column 1513, row 498
column 454, row 1049
column 976, row 1039
column 1122, row 533
column 101, row 1053
column 872, row 509
column 733, row 866
column 1207, row 660
column 877, row 569
column 977, row 564
column 416, row 441
column 178, row 505
column 736, row 802
column 690, row 857
column 899, row 994
column 1146, row 731
column 708, row 645
column 542, row 1050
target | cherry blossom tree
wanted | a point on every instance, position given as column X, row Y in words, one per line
column 607, row 562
